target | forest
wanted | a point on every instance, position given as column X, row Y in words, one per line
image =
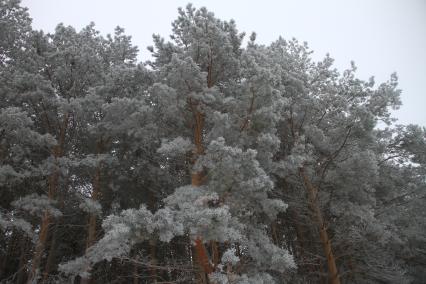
column 219, row 160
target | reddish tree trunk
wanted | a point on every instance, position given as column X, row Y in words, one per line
column 58, row 152
column 215, row 254
column 197, row 179
column 333, row 274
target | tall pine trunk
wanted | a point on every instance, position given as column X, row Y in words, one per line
column 91, row 231
column 96, row 192
column 333, row 274
column 50, row 262
column 58, row 151
column 52, row 254
column 197, row 178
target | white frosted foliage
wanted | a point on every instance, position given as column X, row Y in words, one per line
column 229, row 257
column 37, row 205
column 175, row 146
column 91, row 206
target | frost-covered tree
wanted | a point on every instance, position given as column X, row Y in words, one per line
column 215, row 162
column 209, row 210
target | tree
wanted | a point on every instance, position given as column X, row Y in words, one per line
column 216, row 162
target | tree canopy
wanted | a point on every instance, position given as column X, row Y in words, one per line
column 216, row 161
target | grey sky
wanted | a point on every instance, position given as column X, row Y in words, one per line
column 381, row 36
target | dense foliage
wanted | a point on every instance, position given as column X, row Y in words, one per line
column 216, row 162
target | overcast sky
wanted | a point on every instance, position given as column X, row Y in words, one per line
column 381, row 36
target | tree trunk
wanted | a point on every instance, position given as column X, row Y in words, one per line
column 52, row 251
column 96, row 192
column 299, row 235
column 91, row 234
column 44, row 227
column 197, row 179
column 215, row 253
column 58, row 151
column 199, row 254
column 333, row 274
column 202, row 257
column 52, row 254
column 274, row 234
column 42, row 237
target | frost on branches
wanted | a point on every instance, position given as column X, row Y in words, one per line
column 214, row 162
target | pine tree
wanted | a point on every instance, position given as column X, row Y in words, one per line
column 216, row 162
